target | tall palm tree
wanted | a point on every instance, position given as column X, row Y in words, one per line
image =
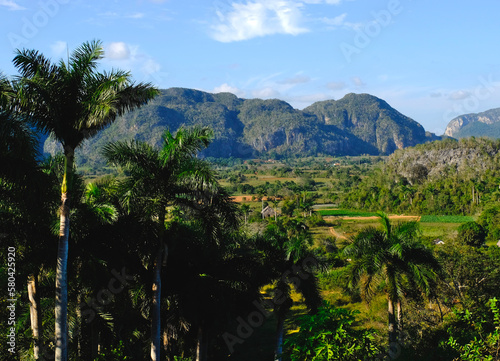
column 285, row 248
column 245, row 209
column 73, row 102
column 158, row 179
column 395, row 256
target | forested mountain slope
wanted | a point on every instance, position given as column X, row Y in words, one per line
column 485, row 124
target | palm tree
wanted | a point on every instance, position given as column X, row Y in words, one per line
column 306, row 202
column 73, row 102
column 285, row 247
column 395, row 256
column 162, row 178
column 245, row 209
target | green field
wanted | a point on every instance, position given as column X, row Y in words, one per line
column 445, row 219
column 345, row 213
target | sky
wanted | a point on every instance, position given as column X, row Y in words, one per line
column 432, row 60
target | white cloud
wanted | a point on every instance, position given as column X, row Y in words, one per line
column 118, row 51
column 109, row 14
column 336, row 85
column 129, row 57
column 266, row 93
column 226, row 88
column 459, row 95
column 12, row 5
column 340, row 21
column 59, row 49
column 336, row 21
column 136, row 16
column 149, row 65
column 329, row 2
column 297, row 79
column 115, row 15
column 258, row 18
column 357, row 81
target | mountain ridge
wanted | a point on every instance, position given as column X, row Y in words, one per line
column 353, row 125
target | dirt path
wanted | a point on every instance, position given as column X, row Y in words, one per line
column 248, row 198
column 337, row 234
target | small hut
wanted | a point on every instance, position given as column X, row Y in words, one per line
column 268, row 212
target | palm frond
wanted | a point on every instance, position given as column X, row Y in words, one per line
column 31, row 63
column 136, row 157
column 83, row 60
column 186, row 143
column 6, row 92
column 386, row 224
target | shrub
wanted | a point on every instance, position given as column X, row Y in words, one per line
column 472, row 234
column 330, row 335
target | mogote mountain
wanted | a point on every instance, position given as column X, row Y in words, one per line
column 356, row 124
column 485, row 124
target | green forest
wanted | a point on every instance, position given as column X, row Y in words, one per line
column 166, row 254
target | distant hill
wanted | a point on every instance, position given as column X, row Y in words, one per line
column 372, row 120
column 243, row 128
column 449, row 156
column 485, row 124
column 447, row 177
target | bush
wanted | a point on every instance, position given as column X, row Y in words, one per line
column 490, row 220
column 330, row 335
column 472, row 234
column 482, row 345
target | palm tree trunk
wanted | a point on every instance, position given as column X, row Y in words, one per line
column 201, row 345
column 440, row 310
column 399, row 322
column 61, row 307
column 161, row 260
column 155, row 317
column 279, row 337
column 393, row 333
column 35, row 317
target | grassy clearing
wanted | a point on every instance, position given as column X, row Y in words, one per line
column 445, row 219
column 444, row 231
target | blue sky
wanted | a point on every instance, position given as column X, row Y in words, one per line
column 431, row 60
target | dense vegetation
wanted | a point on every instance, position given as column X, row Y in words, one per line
column 162, row 264
column 443, row 178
